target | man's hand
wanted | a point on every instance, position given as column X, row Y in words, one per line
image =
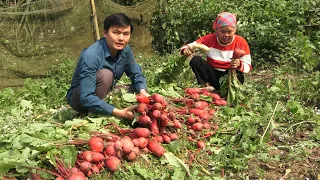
column 126, row 113
column 144, row 92
column 235, row 63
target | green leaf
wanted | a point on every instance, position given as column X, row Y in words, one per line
column 129, row 97
column 176, row 162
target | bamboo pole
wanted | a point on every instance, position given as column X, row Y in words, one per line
column 95, row 20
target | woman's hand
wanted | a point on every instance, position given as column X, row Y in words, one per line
column 187, row 51
column 235, row 63
column 126, row 113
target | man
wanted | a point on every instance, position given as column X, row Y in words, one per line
column 101, row 65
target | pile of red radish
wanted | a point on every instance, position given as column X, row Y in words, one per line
column 158, row 122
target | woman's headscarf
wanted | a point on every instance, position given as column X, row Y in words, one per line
column 225, row 19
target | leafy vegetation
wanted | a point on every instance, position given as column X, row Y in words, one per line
column 270, row 133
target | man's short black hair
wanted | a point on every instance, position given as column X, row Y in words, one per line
column 117, row 20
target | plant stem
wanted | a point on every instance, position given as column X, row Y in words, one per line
column 271, row 119
column 299, row 123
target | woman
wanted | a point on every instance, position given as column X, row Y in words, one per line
column 101, row 65
column 222, row 44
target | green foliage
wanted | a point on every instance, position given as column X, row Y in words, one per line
column 274, row 30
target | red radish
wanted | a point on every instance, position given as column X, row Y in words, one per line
column 157, row 106
column 191, row 120
column 215, row 96
column 196, row 112
column 174, row 136
column 201, row 144
column 156, row 113
column 97, row 157
column 223, row 102
column 141, row 132
column 166, row 139
column 118, row 145
column 190, row 138
column 157, row 98
column 127, row 137
column 144, row 119
column 100, row 165
column 87, row 156
column 77, row 176
column 156, row 148
column 136, row 150
column 201, row 104
column 110, row 150
column 163, row 123
column 195, row 96
column 135, row 142
column 95, row 169
column 159, row 139
column 89, row 173
column 113, row 164
column 85, row 166
column 96, row 144
column 177, row 124
column 74, row 170
column 192, row 90
column 204, row 116
column 143, row 142
column 211, row 111
column 238, row 53
column 142, row 107
column 197, row 126
column 217, row 102
column 131, row 156
column 59, row 178
column 205, row 92
column 172, row 116
column 142, row 99
column 206, row 125
column 127, row 145
column 154, row 127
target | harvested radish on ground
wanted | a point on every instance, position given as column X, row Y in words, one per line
column 157, row 106
column 156, row 148
column 131, row 156
column 154, row 127
column 215, row 96
column 85, row 166
column 201, row 104
column 201, row 144
column 113, row 163
column 96, row 144
column 172, row 116
column 192, row 90
column 197, row 126
column 97, row 157
column 174, row 136
column 211, row 111
column 141, row 132
column 156, row 113
column 159, row 139
column 95, row 169
column 142, row 107
column 166, row 139
column 127, row 145
column 191, row 120
column 110, row 150
column 144, row 119
column 135, row 142
column 143, row 142
column 157, row 98
column 177, row 124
